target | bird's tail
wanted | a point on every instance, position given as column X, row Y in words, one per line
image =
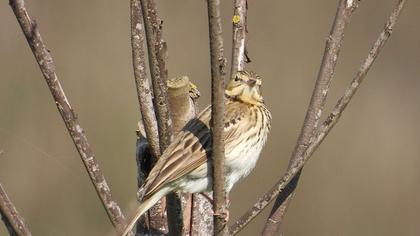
column 144, row 206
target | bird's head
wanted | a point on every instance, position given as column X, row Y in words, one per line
column 246, row 87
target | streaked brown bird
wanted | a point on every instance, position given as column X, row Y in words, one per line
column 184, row 164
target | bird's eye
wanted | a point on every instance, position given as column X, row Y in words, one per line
column 237, row 79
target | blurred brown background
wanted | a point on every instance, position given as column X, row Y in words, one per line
column 362, row 181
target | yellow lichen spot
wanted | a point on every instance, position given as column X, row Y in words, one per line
column 236, row 19
column 193, row 86
column 194, row 92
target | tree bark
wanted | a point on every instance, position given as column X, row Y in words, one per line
column 217, row 100
column 144, row 93
column 46, row 64
column 15, row 224
column 316, row 106
column 287, row 182
column 157, row 56
column 239, row 39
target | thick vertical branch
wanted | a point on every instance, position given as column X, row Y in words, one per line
column 202, row 216
column 157, row 56
column 324, row 129
column 147, row 145
column 15, row 224
column 217, row 100
column 157, row 49
column 76, row 132
column 156, row 215
column 239, row 39
column 144, row 92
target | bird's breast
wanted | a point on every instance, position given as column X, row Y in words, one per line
column 242, row 157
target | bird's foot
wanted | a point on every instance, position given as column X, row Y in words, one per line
column 224, row 215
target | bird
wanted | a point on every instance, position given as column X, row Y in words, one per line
column 186, row 164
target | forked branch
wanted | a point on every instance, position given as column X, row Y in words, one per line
column 148, row 146
column 326, row 126
column 144, row 93
column 316, row 106
column 157, row 50
column 76, row 132
column 157, row 61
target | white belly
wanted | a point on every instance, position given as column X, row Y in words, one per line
column 242, row 162
column 241, row 156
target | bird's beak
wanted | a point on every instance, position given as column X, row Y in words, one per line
column 251, row 82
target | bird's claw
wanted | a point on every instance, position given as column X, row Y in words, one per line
column 224, row 215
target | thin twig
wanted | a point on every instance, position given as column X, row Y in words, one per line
column 217, row 100
column 316, row 106
column 157, row 49
column 326, row 126
column 76, row 132
column 344, row 100
column 239, row 39
column 15, row 224
column 144, row 92
column 157, row 56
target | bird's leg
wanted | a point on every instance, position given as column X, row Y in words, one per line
column 224, row 214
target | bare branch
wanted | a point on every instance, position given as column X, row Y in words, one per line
column 325, row 75
column 217, row 100
column 157, row 53
column 15, row 224
column 239, row 40
column 157, row 49
column 316, row 106
column 76, row 132
column 156, row 217
column 344, row 100
column 144, row 92
column 202, row 216
column 323, row 130
column 183, row 96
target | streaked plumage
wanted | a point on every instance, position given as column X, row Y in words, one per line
column 184, row 164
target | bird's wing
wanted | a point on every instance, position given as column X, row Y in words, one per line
column 189, row 150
